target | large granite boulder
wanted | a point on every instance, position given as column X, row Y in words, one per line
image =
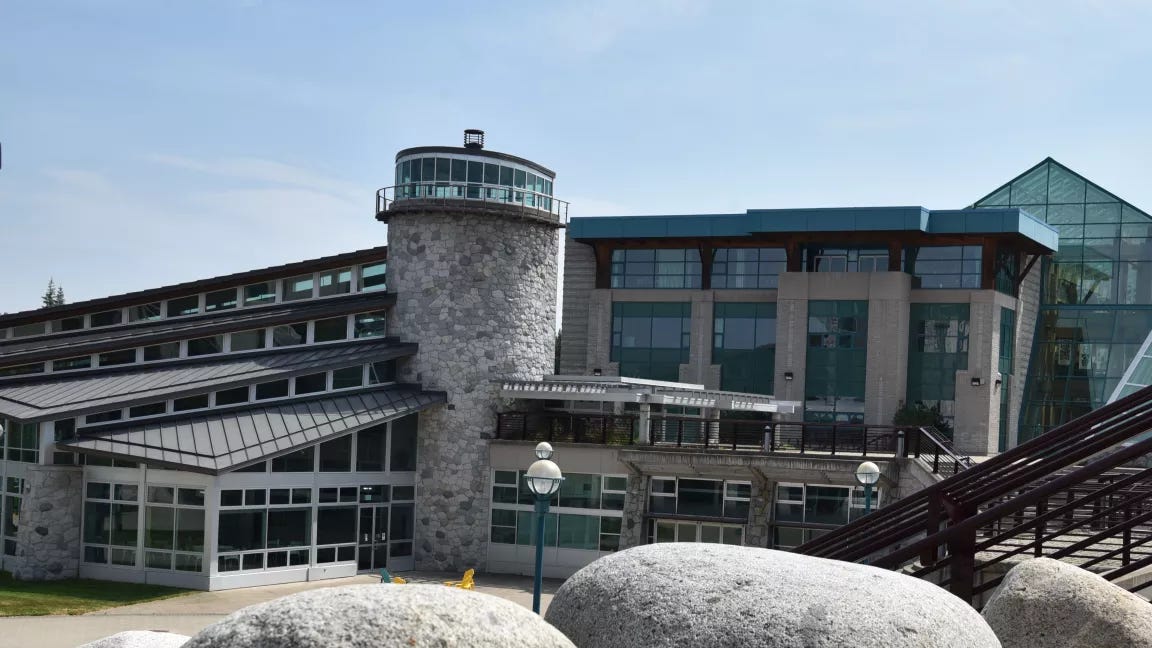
column 687, row 594
column 382, row 616
column 139, row 639
column 1044, row 603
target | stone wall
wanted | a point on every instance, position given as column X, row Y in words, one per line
column 632, row 530
column 477, row 291
column 48, row 539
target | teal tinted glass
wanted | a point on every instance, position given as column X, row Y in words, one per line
column 937, row 349
column 744, row 345
column 836, row 361
column 651, row 340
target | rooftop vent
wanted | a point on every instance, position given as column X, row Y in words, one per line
column 473, row 138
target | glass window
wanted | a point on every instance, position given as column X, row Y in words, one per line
column 348, row 377
column 289, row 528
column 183, row 306
column 152, row 409
column 107, row 318
column 744, row 345
column 651, row 340
column 298, row 288
column 580, row 491
column 302, row 460
column 241, row 530
column 22, row 370
column 382, row 372
column 161, row 494
column 259, row 293
column 68, row 324
column 371, row 324
column 144, row 312
column 330, row 330
column 335, row 282
column 335, row 525
column 112, row 358
column 232, row 497
column 311, row 383
column 370, row 448
column 220, row 300
column 274, row 389
column 199, row 401
column 166, row 351
column 700, row 497
column 673, row 268
column 290, row 334
column 748, row 268
column 836, row 361
column 937, row 349
column 578, row 532
column 99, row 417
column 247, row 340
column 336, row 455
column 206, row 345
column 404, row 443
column 373, row 276
column 82, row 362
column 956, row 266
column 231, row 396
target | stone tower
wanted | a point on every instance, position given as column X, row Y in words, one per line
column 472, row 257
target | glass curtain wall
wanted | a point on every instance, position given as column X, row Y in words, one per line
column 744, row 345
column 1096, row 295
column 651, row 339
column 937, row 349
column 837, row 361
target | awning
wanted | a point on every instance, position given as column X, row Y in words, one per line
column 619, row 389
column 217, row 443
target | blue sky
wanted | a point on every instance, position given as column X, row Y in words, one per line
column 147, row 143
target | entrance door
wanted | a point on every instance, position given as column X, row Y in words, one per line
column 373, row 537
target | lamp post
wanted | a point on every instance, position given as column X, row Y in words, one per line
column 867, row 474
column 543, row 480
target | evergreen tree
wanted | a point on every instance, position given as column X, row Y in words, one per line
column 53, row 296
column 60, row 295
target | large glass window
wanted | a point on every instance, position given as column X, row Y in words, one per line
column 748, row 267
column 818, row 258
column 937, row 349
column 404, row 443
column 335, row 282
column 837, row 361
column 373, row 277
column 173, row 531
column 804, row 511
column 673, row 268
column 955, row 266
column 111, row 523
column 297, row 288
column 22, row 441
column 651, row 339
column 744, row 345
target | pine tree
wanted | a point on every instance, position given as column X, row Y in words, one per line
column 60, row 295
column 53, row 296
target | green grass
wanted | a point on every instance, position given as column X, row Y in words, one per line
column 73, row 596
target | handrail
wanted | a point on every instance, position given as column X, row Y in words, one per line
column 527, row 201
column 1066, row 494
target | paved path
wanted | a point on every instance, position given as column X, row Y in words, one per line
column 189, row 614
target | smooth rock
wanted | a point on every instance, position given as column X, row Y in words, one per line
column 382, row 616
column 1045, row 603
column 139, row 639
column 688, row 594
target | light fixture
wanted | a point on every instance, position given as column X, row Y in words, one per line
column 867, row 474
column 543, row 480
column 787, row 375
column 976, row 381
column 596, row 371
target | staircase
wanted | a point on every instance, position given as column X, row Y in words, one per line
column 1078, row 493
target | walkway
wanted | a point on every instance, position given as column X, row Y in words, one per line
column 188, row 614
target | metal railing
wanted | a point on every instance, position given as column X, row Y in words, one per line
column 735, row 435
column 1068, row 494
column 569, row 427
column 528, row 202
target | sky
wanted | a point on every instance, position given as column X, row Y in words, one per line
column 148, row 143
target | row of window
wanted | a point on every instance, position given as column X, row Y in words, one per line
column 339, row 281
column 20, row 441
column 388, row 446
column 333, row 329
column 699, row 497
column 173, row 524
column 760, row 268
column 577, row 490
column 451, row 170
column 321, row 382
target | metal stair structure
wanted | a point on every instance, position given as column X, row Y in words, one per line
column 1081, row 493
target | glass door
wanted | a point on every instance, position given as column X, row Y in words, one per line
column 373, row 538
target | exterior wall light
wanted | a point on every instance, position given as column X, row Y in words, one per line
column 787, row 375
column 976, row 382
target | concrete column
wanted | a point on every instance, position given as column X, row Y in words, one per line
column 886, row 384
column 48, row 538
column 633, row 531
column 760, row 513
column 978, row 406
column 698, row 369
column 791, row 340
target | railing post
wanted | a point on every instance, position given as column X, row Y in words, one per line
column 1041, row 528
column 803, row 436
column 1126, row 556
column 901, row 448
column 936, row 461
column 932, row 527
column 834, row 428
column 962, row 569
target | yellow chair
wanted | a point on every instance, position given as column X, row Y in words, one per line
column 465, row 583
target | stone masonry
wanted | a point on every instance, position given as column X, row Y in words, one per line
column 477, row 291
column 48, row 538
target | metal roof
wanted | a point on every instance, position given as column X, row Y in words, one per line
column 61, row 345
column 43, row 400
column 175, row 290
column 221, row 442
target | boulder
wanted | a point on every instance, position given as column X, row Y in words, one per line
column 687, row 594
column 382, row 616
column 139, row 639
column 1045, row 603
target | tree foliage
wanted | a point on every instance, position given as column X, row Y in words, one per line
column 922, row 415
column 53, row 295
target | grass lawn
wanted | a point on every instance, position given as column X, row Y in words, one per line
column 75, row 596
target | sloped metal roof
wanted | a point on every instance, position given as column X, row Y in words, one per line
column 63, row 345
column 59, row 397
column 218, row 443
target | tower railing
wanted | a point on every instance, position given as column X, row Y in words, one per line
column 445, row 193
column 1081, row 493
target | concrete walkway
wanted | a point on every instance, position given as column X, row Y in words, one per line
column 188, row 614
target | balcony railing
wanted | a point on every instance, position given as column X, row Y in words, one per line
column 530, row 203
column 735, row 435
